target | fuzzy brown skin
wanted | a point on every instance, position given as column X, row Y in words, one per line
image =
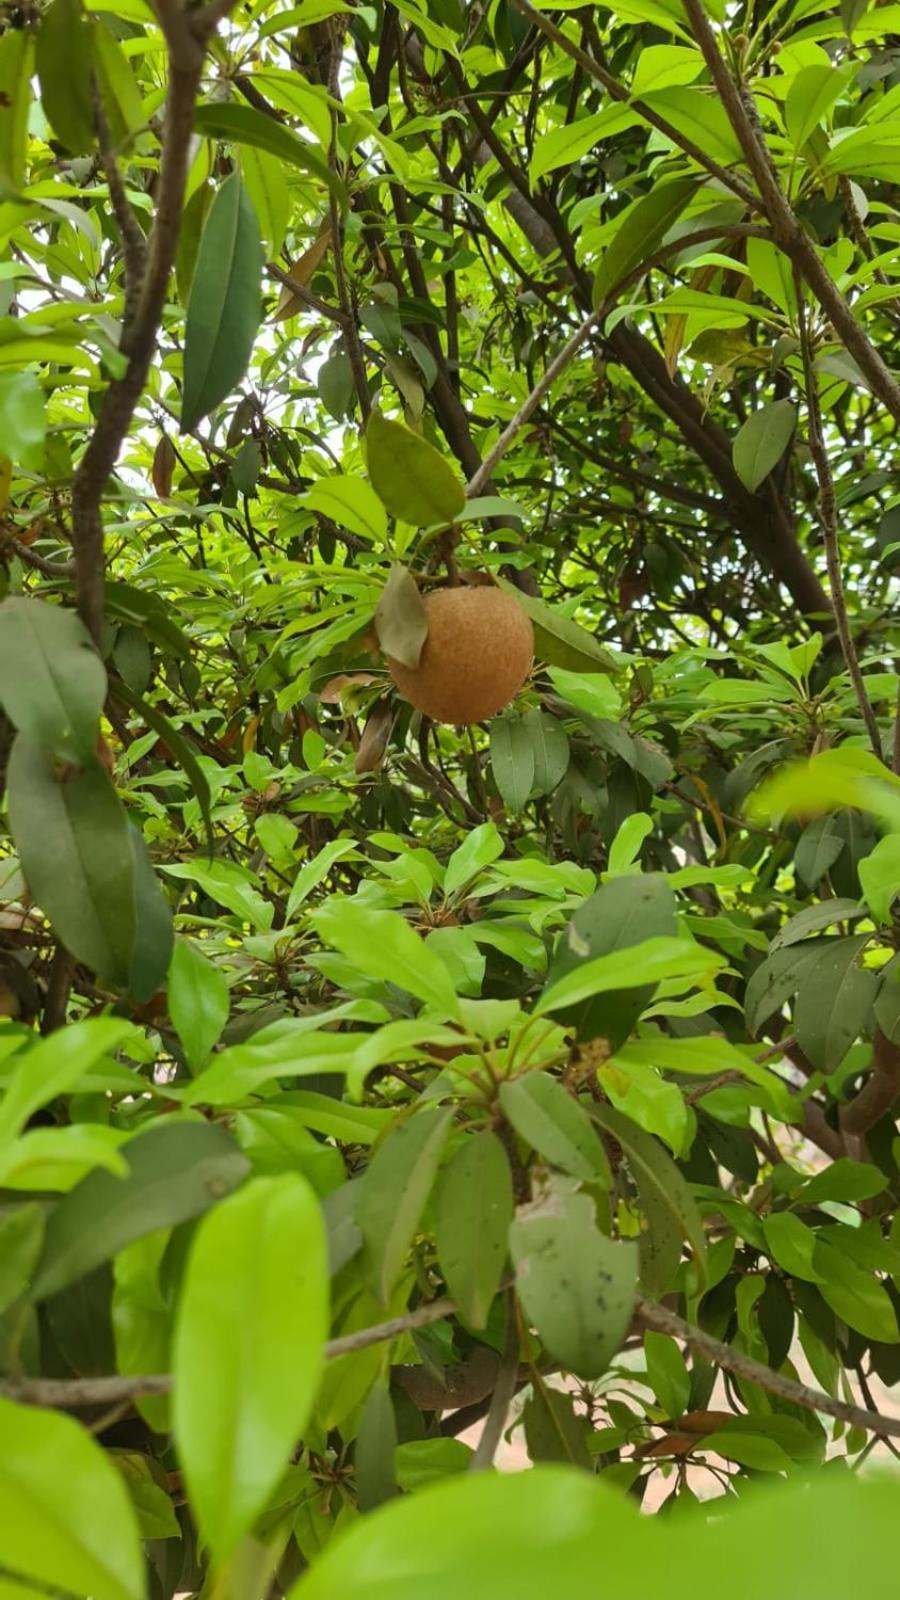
column 478, row 653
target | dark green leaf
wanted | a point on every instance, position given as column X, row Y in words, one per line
column 762, row 440
column 553, row 1431
column 833, row 1002
column 52, row 682
column 657, row 1176
column 393, row 1192
column 473, row 1211
column 175, row 1171
column 640, row 232
column 376, row 1442
column 240, row 124
column 512, row 761
column 16, row 66
column 225, row 306
column 64, row 60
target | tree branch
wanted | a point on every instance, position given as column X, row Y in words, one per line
column 657, row 1317
column 186, row 37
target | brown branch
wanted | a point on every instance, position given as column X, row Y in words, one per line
column 659, row 1318
column 186, row 37
column 789, row 233
column 617, row 91
column 828, row 521
column 134, row 245
column 879, row 1093
column 73, row 1393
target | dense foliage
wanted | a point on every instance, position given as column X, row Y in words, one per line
column 383, row 1098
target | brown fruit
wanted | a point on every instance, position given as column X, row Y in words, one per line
column 476, row 657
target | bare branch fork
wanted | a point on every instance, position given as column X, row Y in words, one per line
column 187, row 35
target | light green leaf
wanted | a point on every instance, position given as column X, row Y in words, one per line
column 351, row 503
column 16, row 69
column 639, row 964
column 478, row 850
column 669, row 1377
column 249, row 1339
column 384, row 946
column 56, row 1065
column 810, row 97
column 198, row 1001
column 413, row 480
column 315, row 871
column 65, row 1516
column 225, row 305
column 23, row 406
column 879, row 875
column 700, row 117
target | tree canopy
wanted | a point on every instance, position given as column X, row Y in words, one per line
column 450, row 770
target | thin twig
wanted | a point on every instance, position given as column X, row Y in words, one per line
column 480, row 479
column 504, row 1389
column 828, row 520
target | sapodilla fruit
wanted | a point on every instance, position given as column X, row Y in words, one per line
column 476, row 657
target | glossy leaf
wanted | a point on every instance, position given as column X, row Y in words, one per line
column 65, row 1517
column 251, row 1327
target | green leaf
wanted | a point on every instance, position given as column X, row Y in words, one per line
column 659, row 1182
column 478, row 850
column 21, row 1236
column 393, row 1192
column 669, row 1377
column 553, row 1431
column 577, row 1286
column 382, row 945
column 121, row 97
column 413, row 481
column 419, row 1462
column 552, row 1122
column 791, row 1244
column 64, row 61
column 558, row 640
column 239, row 124
column 886, row 1010
column 198, row 1002
column 175, row 1171
column 16, row 68
column 647, row 962
column 512, row 760
column 315, row 871
column 249, row 1339
column 89, row 868
column 550, row 748
column 621, row 914
column 562, row 146
column 879, row 874
column 762, row 440
column 65, row 1516
column 641, row 229
column 225, row 304
column 833, row 1002
column 812, row 94
column 472, row 1214
column 700, row 116
column 23, row 406
column 401, row 620
column 351, row 503
column 52, row 681
column 54, row 1066
column 266, row 184
column 376, row 1442
column 843, row 1180
column 813, row 918
column 855, row 1296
